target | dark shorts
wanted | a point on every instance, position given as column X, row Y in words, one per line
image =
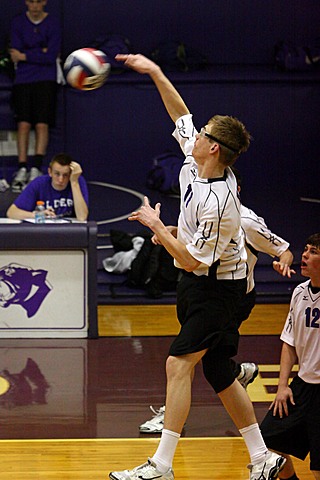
column 242, row 314
column 245, row 307
column 35, row 102
column 206, row 311
column 299, row 432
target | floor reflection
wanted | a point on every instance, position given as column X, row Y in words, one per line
column 80, row 388
column 24, row 388
column 44, row 387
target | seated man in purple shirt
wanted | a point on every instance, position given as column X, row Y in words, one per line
column 63, row 190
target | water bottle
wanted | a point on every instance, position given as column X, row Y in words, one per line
column 39, row 216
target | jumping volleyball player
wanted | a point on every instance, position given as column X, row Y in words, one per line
column 209, row 250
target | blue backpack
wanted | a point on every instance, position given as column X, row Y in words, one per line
column 176, row 56
column 291, row 57
column 111, row 45
column 164, row 175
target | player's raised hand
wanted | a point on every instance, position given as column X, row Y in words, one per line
column 139, row 63
column 147, row 215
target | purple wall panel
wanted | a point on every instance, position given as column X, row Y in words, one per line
column 228, row 32
column 231, row 31
column 116, row 131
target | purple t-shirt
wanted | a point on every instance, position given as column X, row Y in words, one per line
column 30, row 38
column 41, row 189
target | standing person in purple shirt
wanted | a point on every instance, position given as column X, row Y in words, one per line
column 63, row 190
column 35, row 48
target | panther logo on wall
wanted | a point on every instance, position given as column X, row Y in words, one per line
column 21, row 285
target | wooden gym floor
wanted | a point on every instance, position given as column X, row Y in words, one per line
column 70, row 408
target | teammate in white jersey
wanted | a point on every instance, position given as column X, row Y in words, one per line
column 292, row 424
column 209, row 250
column 258, row 238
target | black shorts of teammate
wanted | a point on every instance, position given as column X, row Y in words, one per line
column 243, row 312
column 35, row 102
column 298, row 433
column 245, row 307
column 206, row 311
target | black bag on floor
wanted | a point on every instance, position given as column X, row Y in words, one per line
column 153, row 269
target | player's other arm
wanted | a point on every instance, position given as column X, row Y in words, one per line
column 171, row 98
column 284, row 393
column 264, row 240
column 284, row 263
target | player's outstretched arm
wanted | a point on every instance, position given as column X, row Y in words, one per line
column 170, row 96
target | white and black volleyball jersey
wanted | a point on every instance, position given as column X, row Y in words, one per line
column 258, row 238
column 209, row 220
column 302, row 331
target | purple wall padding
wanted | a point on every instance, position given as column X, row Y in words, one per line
column 116, row 131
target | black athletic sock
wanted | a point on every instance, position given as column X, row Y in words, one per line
column 22, row 165
column 37, row 161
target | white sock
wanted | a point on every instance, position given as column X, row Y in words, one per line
column 163, row 457
column 255, row 443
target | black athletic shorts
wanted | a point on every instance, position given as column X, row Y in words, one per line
column 245, row 307
column 206, row 311
column 35, row 102
column 299, row 432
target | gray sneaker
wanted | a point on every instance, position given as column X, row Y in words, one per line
column 155, row 425
column 34, row 173
column 147, row 471
column 20, row 180
column 248, row 373
column 4, row 185
column 268, row 469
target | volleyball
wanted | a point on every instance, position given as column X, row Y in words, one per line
column 86, row 69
